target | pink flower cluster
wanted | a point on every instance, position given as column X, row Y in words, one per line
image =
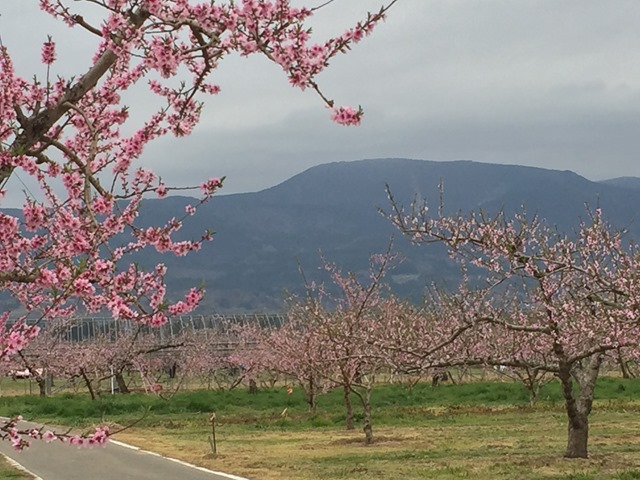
column 16, row 337
column 17, row 442
column 346, row 116
column 48, row 52
column 210, row 186
column 10, row 430
column 98, row 438
column 191, row 300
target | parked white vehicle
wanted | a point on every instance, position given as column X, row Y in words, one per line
column 26, row 373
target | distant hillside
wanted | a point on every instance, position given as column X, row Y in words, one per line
column 632, row 183
column 333, row 209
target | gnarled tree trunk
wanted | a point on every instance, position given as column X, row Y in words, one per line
column 41, row 380
column 623, row 365
column 122, row 384
column 578, row 437
column 88, row 383
column 367, row 427
column 348, row 408
column 578, row 407
column 312, row 395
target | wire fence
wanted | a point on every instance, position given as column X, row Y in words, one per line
column 83, row 329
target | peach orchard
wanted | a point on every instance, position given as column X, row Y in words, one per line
column 540, row 301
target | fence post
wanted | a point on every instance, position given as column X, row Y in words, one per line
column 212, row 438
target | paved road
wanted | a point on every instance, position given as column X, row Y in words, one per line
column 56, row 461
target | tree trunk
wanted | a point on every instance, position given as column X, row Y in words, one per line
column 623, row 365
column 348, row 408
column 533, row 384
column 253, row 387
column 122, row 385
column 42, row 385
column 311, row 395
column 87, row 381
column 578, row 437
column 368, row 429
column 311, row 400
column 578, row 409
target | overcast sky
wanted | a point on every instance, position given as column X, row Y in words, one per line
column 549, row 83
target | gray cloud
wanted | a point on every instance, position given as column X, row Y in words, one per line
column 550, row 83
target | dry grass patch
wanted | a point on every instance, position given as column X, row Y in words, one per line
column 483, row 447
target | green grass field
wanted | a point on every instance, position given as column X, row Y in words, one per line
column 483, row 430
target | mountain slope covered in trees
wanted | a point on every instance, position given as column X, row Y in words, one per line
column 263, row 238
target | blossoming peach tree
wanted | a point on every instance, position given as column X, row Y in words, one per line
column 66, row 251
column 568, row 301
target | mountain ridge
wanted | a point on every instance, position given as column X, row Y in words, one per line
column 332, row 209
column 263, row 238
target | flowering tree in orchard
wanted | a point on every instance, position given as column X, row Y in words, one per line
column 434, row 335
column 206, row 358
column 572, row 300
column 352, row 333
column 107, row 356
column 67, row 250
column 457, row 329
column 221, row 358
column 298, row 352
column 339, row 327
column 47, row 355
